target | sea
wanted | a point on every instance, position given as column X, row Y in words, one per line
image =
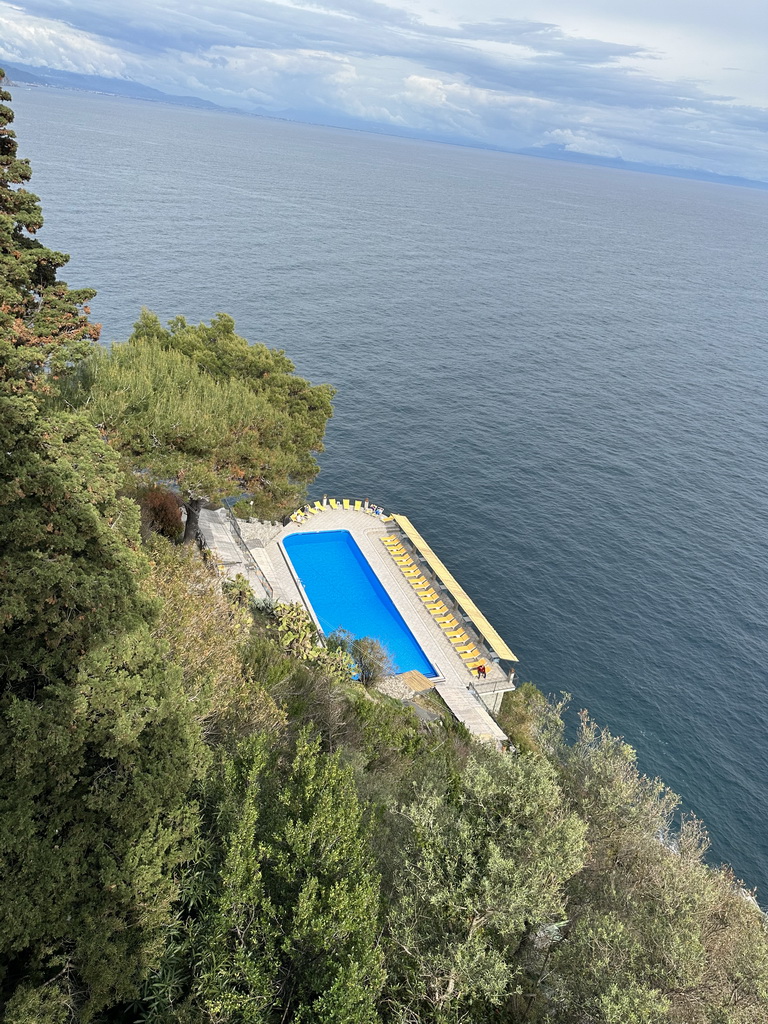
column 558, row 372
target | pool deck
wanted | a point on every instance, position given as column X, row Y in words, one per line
column 456, row 684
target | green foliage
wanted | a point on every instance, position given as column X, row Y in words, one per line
column 297, row 634
column 520, row 715
column 199, row 407
column 288, row 928
column 239, row 591
column 68, row 578
column 656, row 934
column 43, row 325
column 211, row 641
column 371, row 660
column 481, row 864
column 224, row 355
column 94, row 819
column 98, row 747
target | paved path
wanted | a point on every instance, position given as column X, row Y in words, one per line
column 221, row 540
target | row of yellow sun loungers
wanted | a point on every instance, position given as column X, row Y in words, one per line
column 302, row 515
column 461, row 642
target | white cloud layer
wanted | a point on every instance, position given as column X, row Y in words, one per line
column 678, row 85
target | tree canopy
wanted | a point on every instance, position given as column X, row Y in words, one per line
column 99, row 746
column 43, row 324
column 198, row 407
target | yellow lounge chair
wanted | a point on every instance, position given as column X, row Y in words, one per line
column 438, row 609
column 459, row 640
column 390, row 538
column 345, row 503
column 333, row 503
column 430, row 595
column 418, row 582
column 469, row 655
column 447, row 621
column 387, row 519
column 403, row 560
column 319, row 506
column 358, row 505
column 476, row 664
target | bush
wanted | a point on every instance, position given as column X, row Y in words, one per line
column 370, row 657
column 160, row 513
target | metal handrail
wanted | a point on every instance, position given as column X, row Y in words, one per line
column 252, row 563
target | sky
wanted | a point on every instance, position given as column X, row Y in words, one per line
column 675, row 83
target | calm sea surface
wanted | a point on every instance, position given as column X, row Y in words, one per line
column 559, row 373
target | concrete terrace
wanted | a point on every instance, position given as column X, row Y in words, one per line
column 257, row 554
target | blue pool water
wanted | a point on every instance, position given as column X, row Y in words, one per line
column 346, row 593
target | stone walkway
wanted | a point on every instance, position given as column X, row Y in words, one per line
column 456, row 682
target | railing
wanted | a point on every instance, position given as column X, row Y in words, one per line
column 466, row 622
column 249, row 559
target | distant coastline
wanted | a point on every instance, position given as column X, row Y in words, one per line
column 32, row 75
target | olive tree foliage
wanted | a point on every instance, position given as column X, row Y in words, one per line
column 200, row 408
column 370, row 658
column 483, row 866
column 655, row 933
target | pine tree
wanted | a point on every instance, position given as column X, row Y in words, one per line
column 98, row 743
column 43, row 324
column 292, row 931
column 199, row 407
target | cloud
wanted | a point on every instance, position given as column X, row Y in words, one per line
column 505, row 82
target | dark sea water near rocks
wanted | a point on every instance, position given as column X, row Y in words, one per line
column 558, row 372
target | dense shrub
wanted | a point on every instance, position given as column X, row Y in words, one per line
column 160, row 513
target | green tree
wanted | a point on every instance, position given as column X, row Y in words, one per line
column 485, row 866
column 194, row 407
column 43, row 324
column 371, row 659
column 94, row 821
column 68, row 578
column 225, row 355
column 655, row 934
column 290, row 927
column 98, row 748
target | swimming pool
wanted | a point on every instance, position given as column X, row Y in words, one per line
column 345, row 592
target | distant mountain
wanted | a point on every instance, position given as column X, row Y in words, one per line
column 555, row 152
column 25, row 74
